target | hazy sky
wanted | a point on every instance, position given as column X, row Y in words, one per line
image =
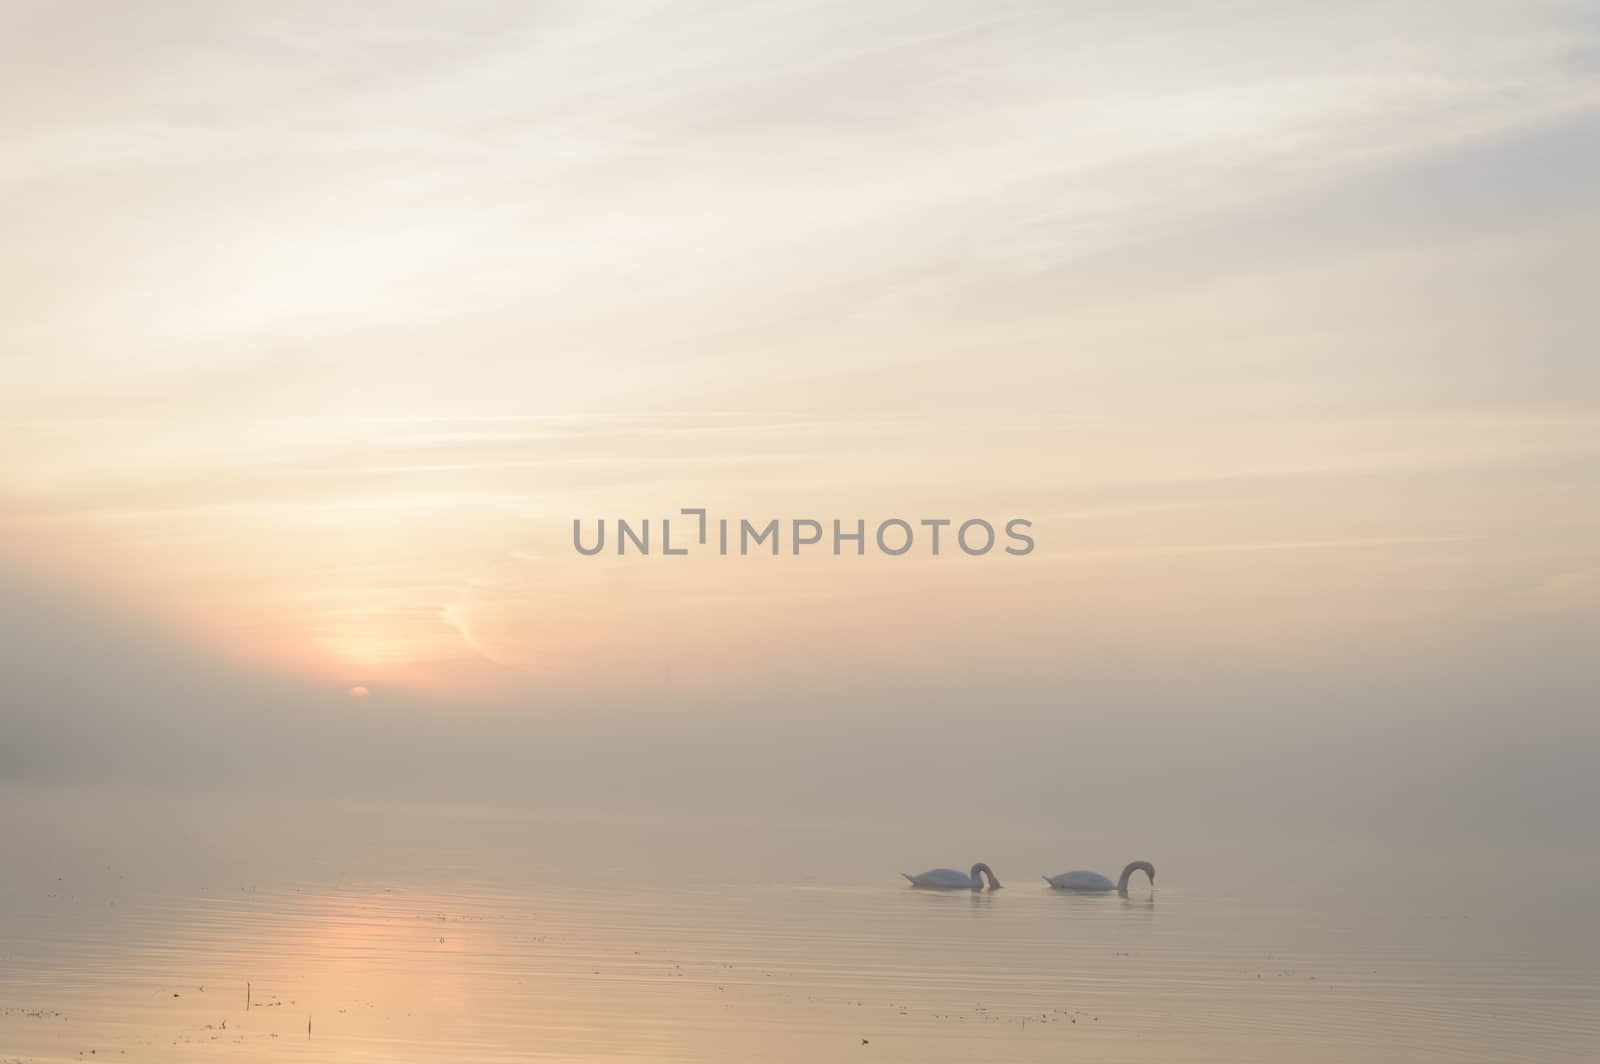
column 323, row 321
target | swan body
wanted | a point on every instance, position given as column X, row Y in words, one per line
column 1080, row 880
column 1094, row 881
column 953, row 879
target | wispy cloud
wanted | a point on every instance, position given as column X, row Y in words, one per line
column 317, row 315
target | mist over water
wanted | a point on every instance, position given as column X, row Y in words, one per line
column 202, row 859
column 136, row 927
column 1377, row 864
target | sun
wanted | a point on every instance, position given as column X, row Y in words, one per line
column 359, row 691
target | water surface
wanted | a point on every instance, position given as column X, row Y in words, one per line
column 174, row 930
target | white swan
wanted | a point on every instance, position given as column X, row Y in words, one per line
column 1089, row 881
column 950, row 879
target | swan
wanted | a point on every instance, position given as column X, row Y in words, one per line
column 1091, row 881
column 951, row 879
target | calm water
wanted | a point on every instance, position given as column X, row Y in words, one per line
column 161, row 931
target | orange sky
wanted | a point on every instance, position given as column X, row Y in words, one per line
column 320, row 337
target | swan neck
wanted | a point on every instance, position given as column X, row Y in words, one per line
column 1135, row 866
